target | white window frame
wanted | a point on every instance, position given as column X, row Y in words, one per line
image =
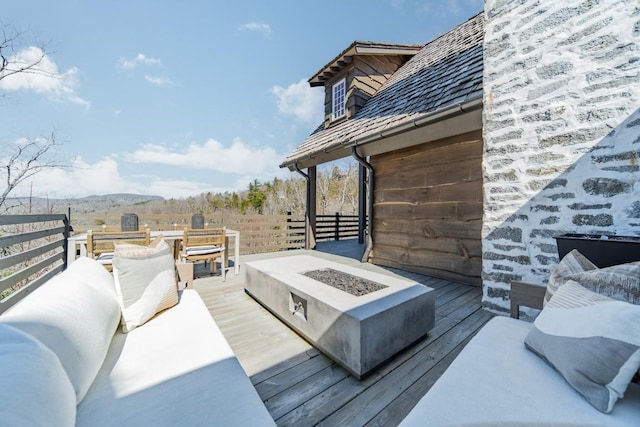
column 339, row 99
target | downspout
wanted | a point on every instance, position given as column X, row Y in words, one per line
column 367, row 165
column 306, row 206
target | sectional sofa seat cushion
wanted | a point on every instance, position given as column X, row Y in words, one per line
column 36, row 390
column 495, row 380
column 176, row 369
column 75, row 315
column 145, row 279
column 592, row 340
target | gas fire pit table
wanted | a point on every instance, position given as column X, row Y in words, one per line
column 357, row 317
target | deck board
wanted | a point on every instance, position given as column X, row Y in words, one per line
column 301, row 386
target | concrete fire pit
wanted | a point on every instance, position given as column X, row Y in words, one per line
column 358, row 332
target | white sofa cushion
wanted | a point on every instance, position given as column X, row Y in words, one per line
column 495, row 380
column 176, row 369
column 145, row 280
column 592, row 340
column 36, row 390
column 74, row 314
column 203, row 250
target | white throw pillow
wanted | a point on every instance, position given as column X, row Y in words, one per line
column 36, row 390
column 75, row 314
column 145, row 282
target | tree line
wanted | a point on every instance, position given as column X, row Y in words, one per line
column 337, row 191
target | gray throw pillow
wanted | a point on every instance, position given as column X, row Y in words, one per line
column 572, row 263
column 593, row 341
column 621, row 282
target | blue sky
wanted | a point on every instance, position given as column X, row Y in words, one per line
column 178, row 98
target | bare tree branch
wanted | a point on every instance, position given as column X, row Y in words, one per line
column 26, row 159
column 10, row 45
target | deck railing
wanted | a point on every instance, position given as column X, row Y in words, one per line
column 336, row 227
column 33, row 249
column 259, row 233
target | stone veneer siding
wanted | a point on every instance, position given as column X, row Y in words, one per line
column 561, row 132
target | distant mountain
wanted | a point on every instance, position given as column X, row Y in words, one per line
column 81, row 205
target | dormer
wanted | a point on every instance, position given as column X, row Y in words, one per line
column 356, row 74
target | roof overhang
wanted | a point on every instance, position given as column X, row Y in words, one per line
column 449, row 121
column 360, row 48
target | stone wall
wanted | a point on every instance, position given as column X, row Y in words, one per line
column 561, row 132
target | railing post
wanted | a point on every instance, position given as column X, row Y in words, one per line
column 337, row 227
column 288, row 231
column 67, row 233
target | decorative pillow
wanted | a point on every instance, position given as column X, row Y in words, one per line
column 621, row 282
column 131, row 250
column 36, row 390
column 145, row 282
column 593, row 341
column 571, row 263
column 75, row 315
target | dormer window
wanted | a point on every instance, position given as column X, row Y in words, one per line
column 338, row 99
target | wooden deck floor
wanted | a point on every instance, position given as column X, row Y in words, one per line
column 301, row 386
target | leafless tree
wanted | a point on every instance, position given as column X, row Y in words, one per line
column 26, row 157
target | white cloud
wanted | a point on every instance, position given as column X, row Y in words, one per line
column 104, row 177
column 179, row 189
column 158, row 81
column 140, row 59
column 259, row 27
column 43, row 78
column 211, row 155
column 300, row 100
column 80, row 179
column 231, row 169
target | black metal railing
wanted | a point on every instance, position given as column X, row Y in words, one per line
column 33, row 249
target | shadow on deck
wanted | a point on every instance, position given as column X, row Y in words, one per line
column 301, row 386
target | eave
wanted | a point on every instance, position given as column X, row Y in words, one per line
column 360, row 48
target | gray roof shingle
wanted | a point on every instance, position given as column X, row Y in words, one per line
column 446, row 72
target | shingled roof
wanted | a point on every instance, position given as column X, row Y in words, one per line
column 444, row 73
column 358, row 47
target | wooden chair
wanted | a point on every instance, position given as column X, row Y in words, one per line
column 205, row 245
column 101, row 244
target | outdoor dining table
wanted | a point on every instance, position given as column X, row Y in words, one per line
column 77, row 245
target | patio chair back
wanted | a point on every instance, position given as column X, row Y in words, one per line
column 204, row 245
column 101, row 244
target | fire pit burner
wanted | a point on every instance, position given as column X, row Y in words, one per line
column 345, row 282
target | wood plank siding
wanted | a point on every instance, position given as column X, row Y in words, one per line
column 363, row 79
column 428, row 208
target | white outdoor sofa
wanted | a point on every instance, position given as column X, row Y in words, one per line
column 496, row 381
column 66, row 362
